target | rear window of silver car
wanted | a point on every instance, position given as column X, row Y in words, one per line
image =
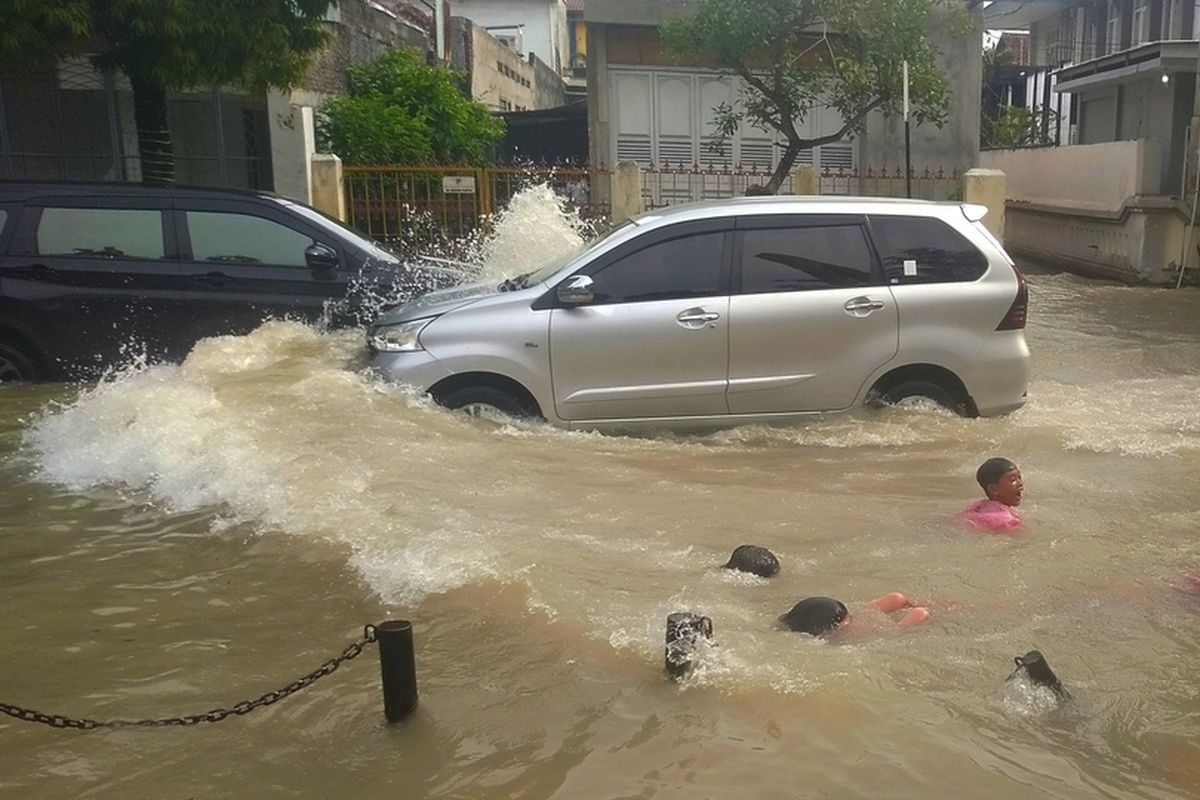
column 925, row 250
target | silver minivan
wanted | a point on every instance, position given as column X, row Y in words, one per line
column 752, row 310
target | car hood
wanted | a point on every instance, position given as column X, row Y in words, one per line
column 438, row 302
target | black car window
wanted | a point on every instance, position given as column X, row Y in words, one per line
column 924, row 250
column 242, row 239
column 689, row 266
column 805, row 259
column 102, row 232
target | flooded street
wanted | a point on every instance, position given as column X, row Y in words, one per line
column 186, row 537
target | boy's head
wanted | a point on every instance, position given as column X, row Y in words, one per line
column 754, row 559
column 815, row 616
column 1001, row 480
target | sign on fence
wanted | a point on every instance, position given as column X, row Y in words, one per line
column 458, row 184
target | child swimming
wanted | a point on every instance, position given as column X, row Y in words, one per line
column 817, row 616
column 1000, row 480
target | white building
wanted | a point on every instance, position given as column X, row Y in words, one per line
column 525, row 26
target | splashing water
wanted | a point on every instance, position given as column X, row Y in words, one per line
column 535, row 228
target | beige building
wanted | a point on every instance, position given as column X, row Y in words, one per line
column 498, row 75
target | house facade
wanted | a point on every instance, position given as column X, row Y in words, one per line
column 1115, row 198
column 646, row 108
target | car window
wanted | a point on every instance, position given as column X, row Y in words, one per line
column 689, row 266
column 104, row 232
column 805, row 259
column 243, row 239
column 924, row 250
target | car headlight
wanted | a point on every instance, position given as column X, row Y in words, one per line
column 400, row 338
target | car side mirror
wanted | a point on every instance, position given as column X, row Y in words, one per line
column 576, row 291
column 320, row 257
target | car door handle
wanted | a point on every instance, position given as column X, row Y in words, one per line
column 862, row 304
column 698, row 315
column 214, row 280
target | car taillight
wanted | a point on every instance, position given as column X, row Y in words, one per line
column 1014, row 320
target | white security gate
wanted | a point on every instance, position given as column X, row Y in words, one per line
column 664, row 117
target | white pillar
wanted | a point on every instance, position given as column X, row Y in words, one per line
column 627, row 191
column 329, row 192
column 293, row 143
column 987, row 187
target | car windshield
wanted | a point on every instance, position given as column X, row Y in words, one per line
column 552, row 266
column 371, row 249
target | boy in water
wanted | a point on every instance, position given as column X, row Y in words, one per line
column 817, row 616
column 1001, row 482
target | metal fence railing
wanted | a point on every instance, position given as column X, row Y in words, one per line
column 670, row 184
column 412, row 207
column 927, row 184
column 70, row 121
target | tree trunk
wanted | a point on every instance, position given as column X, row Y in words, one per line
column 785, row 166
column 154, row 135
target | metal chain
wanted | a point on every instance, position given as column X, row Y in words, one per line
column 352, row 651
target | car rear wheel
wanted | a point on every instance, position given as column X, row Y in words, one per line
column 485, row 401
column 15, row 365
column 920, row 388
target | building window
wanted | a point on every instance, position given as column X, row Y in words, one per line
column 1112, row 28
column 1140, row 33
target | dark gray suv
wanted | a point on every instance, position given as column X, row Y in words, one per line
column 92, row 272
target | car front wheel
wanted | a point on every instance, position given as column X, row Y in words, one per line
column 15, row 365
column 485, row 401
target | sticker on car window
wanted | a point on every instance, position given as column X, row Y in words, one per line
column 910, row 268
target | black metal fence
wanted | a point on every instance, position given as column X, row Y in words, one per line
column 73, row 122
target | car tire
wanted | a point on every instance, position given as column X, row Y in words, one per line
column 482, row 401
column 15, row 364
column 919, row 388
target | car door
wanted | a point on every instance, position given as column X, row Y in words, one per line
column 654, row 340
column 97, row 279
column 811, row 316
column 247, row 262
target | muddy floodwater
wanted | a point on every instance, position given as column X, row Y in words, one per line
column 185, row 537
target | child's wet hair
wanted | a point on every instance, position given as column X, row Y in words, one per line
column 815, row 615
column 992, row 470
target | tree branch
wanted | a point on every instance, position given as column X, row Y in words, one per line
column 778, row 101
column 850, row 125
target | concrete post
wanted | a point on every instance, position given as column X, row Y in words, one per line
column 986, row 187
column 806, row 182
column 627, row 191
column 329, row 193
column 292, row 145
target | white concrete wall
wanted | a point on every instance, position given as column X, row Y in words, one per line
column 542, row 20
column 1096, row 177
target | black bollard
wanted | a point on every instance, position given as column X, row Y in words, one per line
column 398, row 666
column 683, row 628
column 1039, row 672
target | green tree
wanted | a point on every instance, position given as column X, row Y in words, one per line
column 1020, row 127
column 35, row 29
column 164, row 45
column 795, row 55
column 402, row 111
